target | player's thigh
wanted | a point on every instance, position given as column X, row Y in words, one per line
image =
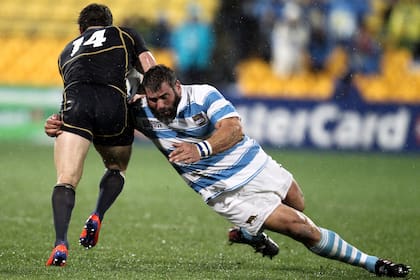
column 115, row 157
column 249, row 206
column 246, row 207
column 294, row 197
column 70, row 152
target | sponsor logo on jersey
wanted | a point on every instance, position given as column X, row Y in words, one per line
column 199, row 119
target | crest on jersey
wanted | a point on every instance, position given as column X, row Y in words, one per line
column 199, row 119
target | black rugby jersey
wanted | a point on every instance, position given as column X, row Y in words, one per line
column 101, row 56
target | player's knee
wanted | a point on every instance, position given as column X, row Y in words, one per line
column 65, row 186
column 68, row 179
column 114, row 172
column 115, row 158
column 120, row 165
column 113, row 176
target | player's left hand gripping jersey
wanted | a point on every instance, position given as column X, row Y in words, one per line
column 200, row 108
column 102, row 56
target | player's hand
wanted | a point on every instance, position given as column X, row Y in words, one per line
column 184, row 153
column 52, row 125
column 136, row 97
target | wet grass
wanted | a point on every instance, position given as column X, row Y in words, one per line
column 160, row 229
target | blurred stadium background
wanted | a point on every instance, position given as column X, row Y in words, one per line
column 329, row 74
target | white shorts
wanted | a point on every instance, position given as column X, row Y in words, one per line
column 249, row 206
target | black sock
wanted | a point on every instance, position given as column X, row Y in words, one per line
column 110, row 187
column 63, row 199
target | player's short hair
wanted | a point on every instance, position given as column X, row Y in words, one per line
column 94, row 15
column 156, row 75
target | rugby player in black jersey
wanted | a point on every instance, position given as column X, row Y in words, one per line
column 94, row 67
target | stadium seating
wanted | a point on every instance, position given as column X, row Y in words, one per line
column 19, row 17
column 256, row 78
column 397, row 82
column 34, row 32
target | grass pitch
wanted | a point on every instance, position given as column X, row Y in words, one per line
column 160, row 229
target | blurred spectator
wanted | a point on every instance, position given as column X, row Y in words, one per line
column 319, row 46
column 289, row 41
column 240, row 35
column 161, row 33
column 404, row 24
column 364, row 51
column 344, row 18
column 267, row 12
column 193, row 43
column 247, row 28
column 226, row 54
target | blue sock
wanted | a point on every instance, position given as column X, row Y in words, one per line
column 332, row 246
column 250, row 237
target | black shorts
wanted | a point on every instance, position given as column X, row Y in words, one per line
column 98, row 113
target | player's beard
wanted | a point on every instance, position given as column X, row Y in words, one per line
column 168, row 114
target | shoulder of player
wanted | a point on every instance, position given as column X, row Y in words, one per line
column 199, row 93
column 127, row 30
column 198, row 89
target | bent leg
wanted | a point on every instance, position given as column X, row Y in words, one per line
column 295, row 197
column 323, row 242
column 293, row 223
column 116, row 160
column 110, row 187
column 332, row 246
column 115, row 157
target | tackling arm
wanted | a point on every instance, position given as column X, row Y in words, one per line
column 228, row 132
column 147, row 60
column 134, row 77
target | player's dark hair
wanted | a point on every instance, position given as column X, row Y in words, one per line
column 94, row 15
column 156, row 75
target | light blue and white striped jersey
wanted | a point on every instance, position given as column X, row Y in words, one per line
column 200, row 108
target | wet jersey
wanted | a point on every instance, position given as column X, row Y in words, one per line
column 94, row 67
column 200, row 108
column 89, row 58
